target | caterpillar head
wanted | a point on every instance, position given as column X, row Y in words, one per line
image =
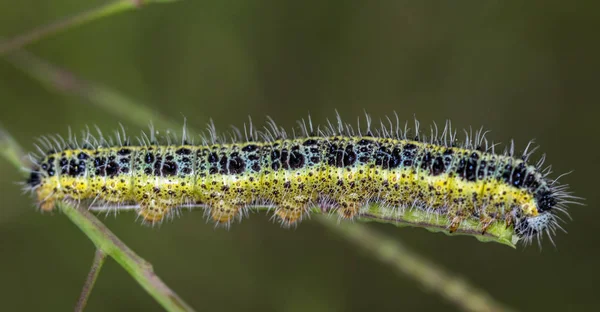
column 533, row 220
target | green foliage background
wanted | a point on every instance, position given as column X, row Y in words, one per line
column 522, row 70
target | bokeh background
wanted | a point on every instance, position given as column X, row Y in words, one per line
column 524, row 70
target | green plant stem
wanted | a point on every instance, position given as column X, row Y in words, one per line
column 407, row 262
column 10, row 150
column 108, row 9
column 59, row 79
column 137, row 267
column 99, row 258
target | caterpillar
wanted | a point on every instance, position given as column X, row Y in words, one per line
column 334, row 168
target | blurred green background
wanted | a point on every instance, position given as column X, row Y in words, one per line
column 523, row 70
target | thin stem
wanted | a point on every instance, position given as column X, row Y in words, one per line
column 11, row 150
column 140, row 269
column 99, row 258
column 61, row 80
column 73, row 21
column 407, row 262
column 374, row 213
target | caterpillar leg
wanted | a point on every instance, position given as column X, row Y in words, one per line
column 47, row 205
column 152, row 211
column 292, row 210
column 349, row 206
column 486, row 221
column 223, row 212
column 47, row 198
column 455, row 223
column 509, row 220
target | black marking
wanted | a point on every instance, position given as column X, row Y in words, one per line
column 438, row 166
column 149, row 158
column 76, row 168
column 157, row 165
column 236, row 164
column 426, row 161
column 409, row 153
column 275, row 165
column 275, row 161
column 183, row 151
column 124, row 152
column 310, row 142
column 169, row 168
column 285, row 159
column 471, row 168
column 491, row 168
column 223, row 164
column 382, row 157
column 296, row 160
column 545, row 200
column 112, row 169
column 481, row 170
column 396, row 158
column 275, row 155
column 531, row 182
column 335, row 157
column 518, row 175
column 249, row 148
column 364, row 159
column 349, row 156
column 506, row 174
column 213, row 158
column 410, row 147
column 461, row 168
column 100, row 166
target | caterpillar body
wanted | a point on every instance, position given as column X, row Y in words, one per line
column 335, row 168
